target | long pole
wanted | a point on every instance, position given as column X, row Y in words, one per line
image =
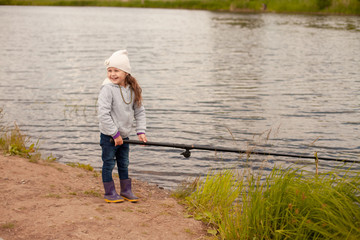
column 187, row 148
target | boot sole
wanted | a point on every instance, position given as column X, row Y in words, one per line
column 131, row 200
column 114, row 201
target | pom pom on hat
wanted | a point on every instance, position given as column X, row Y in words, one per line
column 120, row 60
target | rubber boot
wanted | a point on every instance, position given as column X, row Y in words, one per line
column 110, row 194
column 126, row 192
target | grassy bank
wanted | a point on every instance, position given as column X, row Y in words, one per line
column 287, row 204
column 279, row 6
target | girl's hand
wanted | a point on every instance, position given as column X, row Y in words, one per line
column 118, row 141
column 142, row 137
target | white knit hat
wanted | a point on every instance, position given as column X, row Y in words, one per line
column 119, row 60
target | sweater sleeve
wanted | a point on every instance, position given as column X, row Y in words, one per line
column 106, row 123
column 140, row 118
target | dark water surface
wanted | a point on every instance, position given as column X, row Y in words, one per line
column 278, row 83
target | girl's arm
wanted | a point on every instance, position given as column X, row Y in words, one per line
column 140, row 118
column 107, row 125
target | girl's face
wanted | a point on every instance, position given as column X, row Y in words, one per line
column 116, row 76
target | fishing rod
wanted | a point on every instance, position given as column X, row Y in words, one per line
column 187, row 152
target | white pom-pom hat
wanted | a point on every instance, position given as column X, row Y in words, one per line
column 120, row 60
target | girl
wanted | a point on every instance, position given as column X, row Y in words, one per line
column 119, row 102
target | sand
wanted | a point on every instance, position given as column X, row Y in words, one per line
column 55, row 201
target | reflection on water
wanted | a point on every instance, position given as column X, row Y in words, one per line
column 278, row 83
column 340, row 23
column 350, row 24
column 246, row 21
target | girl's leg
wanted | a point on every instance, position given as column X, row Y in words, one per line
column 122, row 159
column 108, row 158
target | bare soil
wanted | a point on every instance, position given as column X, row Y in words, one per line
column 55, row 201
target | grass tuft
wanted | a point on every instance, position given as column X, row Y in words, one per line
column 53, row 195
column 87, row 167
column 14, row 142
column 8, row 225
column 286, row 204
column 93, row 193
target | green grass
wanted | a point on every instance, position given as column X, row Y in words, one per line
column 8, row 225
column 290, row 6
column 93, row 193
column 87, row 167
column 286, row 204
column 53, row 195
column 14, row 142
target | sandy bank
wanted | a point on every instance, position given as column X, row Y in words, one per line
column 56, row 201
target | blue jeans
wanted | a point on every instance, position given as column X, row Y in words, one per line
column 110, row 155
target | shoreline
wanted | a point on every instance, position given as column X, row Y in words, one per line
column 52, row 200
column 352, row 9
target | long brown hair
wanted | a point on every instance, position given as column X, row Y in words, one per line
column 136, row 88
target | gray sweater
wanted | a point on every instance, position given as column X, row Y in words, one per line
column 117, row 116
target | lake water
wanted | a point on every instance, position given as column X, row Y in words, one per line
column 277, row 83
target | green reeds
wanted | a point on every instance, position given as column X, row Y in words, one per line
column 286, row 204
column 14, row 142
